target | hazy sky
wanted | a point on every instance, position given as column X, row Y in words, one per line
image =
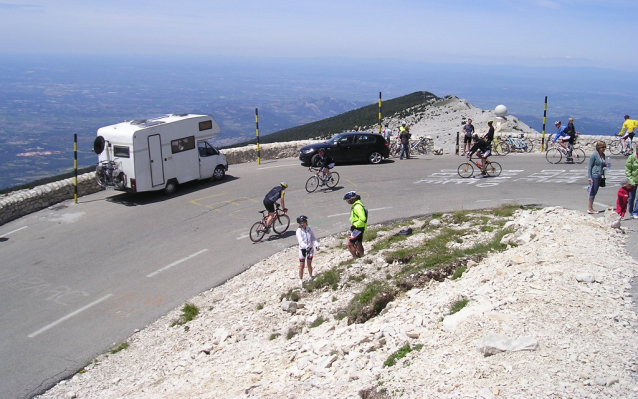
column 597, row 33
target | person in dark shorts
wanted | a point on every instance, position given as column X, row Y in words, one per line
column 483, row 149
column 468, row 130
column 270, row 200
column 358, row 220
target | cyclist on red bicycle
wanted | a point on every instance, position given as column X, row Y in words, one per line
column 324, row 163
column 484, row 151
column 270, row 200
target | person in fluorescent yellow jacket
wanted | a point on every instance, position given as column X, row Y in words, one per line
column 358, row 221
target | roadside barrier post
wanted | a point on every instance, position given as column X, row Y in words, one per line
column 456, row 151
column 544, row 120
column 257, row 133
column 75, row 167
column 379, row 112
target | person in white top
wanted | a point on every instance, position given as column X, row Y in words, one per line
column 387, row 133
column 307, row 244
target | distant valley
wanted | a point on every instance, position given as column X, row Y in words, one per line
column 44, row 102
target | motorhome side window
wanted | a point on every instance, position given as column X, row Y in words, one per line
column 183, row 144
column 206, row 150
column 206, row 125
column 121, row 152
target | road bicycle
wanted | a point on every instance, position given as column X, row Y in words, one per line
column 466, row 169
column 615, row 146
column 109, row 174
column 318, row 179
column 516, row 144
column 280, row 224
column 497, row 148
column 421, row 146
column 556, row 152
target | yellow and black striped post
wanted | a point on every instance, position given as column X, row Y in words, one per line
column 379, row 112
column 257, row 132
column 544, row 120
column 75, row 167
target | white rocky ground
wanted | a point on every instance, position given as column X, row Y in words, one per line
column 543, row 320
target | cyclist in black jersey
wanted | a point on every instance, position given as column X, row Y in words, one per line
column 484, row 150
column 323, row 162
column 270, row 200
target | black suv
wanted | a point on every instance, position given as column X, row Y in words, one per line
column 349, row 147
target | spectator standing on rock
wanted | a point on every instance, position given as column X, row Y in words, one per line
column 358, row 221
column 468, row 131
column 631, row 172
column 596, row 173
column 404, row 136
column 307, row 244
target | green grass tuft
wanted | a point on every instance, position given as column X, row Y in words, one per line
column 401, row 353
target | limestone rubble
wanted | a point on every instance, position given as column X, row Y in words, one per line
column 551, row 317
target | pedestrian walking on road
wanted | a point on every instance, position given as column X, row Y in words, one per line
column 596, row 173
column 404, row 136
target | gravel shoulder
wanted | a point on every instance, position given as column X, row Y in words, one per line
column 552, row 316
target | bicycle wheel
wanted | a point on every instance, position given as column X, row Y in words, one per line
column 258, row 231
column 553, row 156
column 395, row 150
column 466, row 170
column 505, row 147
column 333, row 179
column 312, row 184
column 578, row 155
column 615, row 147
column 281, row 223
column 529, row 146
column 100, row 177
column 493, row 169
column 119, row 180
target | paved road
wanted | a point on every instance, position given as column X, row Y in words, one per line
column 77, row 279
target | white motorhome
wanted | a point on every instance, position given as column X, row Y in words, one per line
column 158, row 153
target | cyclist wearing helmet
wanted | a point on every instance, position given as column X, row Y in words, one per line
column 565, row 139
column 306, row 239
column 630, row 125
column 489, row 136
column 358, row 220
column 483, row 149
column 270, row 200
column 324, row 163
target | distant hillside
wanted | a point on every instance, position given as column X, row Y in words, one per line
column 364, row 116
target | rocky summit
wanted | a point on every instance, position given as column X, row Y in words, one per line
column 538, row 319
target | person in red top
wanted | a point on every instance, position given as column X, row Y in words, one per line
column 623, row 196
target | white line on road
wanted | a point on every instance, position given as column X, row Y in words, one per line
column 156, row 272
column 24, row 227
column 242, row 236
column 55, row 323
column 278, row 166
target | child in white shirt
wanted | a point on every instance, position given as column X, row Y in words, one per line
column 307, row 244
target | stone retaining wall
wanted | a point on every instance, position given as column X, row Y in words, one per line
column 24, row 202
